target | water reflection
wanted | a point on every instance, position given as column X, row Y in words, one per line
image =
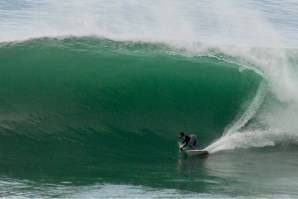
column 235, row 173
column 191, row 165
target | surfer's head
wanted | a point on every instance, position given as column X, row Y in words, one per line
column 181, row 135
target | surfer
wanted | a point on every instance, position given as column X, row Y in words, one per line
column 189, row 140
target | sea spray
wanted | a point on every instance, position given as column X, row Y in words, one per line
column 232, row 138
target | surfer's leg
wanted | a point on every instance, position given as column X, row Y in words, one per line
column 193, row 142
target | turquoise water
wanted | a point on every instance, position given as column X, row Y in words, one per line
column 92, row 106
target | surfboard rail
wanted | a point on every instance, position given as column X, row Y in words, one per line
column 193, row 152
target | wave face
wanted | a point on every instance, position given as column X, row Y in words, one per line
column 94, row 98
column 100, row 99
column 78, row 78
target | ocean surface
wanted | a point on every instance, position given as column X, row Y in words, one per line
column 93, row 95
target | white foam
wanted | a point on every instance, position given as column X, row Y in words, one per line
column 173, row 21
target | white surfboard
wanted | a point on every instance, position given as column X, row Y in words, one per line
column 195, row 152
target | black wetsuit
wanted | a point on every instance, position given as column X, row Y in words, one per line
column 190, row 141
column 186, row 141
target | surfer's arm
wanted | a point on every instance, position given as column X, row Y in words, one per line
column 183, row 144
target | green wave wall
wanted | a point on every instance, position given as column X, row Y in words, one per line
column 89, row 100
